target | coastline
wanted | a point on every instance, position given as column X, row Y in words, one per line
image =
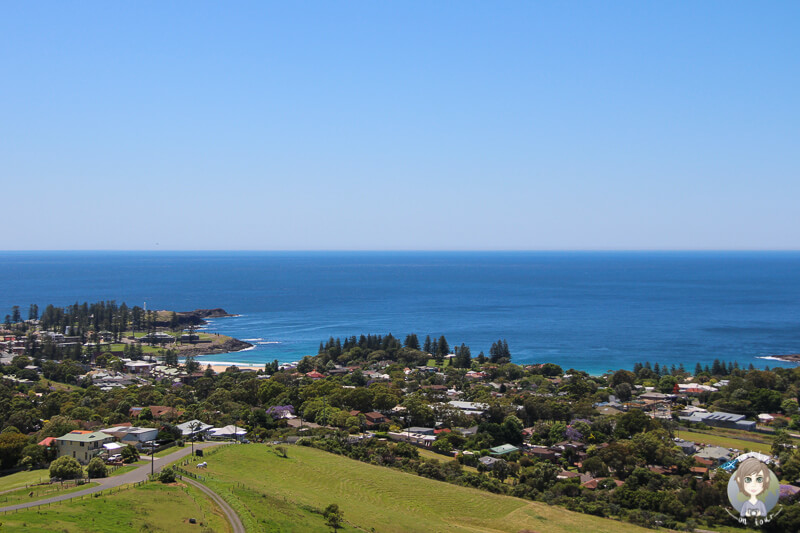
column 788, row 358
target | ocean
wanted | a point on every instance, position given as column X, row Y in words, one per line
column 591, row 311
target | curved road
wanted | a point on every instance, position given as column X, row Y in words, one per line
column 134, row 476
column 233, row 518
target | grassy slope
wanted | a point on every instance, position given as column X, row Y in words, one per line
column 21, row 479
column 374, row 497
column 153, row 507
column 725, row 442
column 41, row 492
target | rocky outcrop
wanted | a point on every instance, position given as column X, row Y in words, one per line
column 229, row 345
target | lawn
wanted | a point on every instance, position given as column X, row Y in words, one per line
column 725, row 442
column 23, row 479
column 22, row 495
column 280, row 494
column 430, row 454
column 152, row 507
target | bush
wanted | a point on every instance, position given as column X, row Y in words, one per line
column 167, row 476
column 66, row 468
column 96, row 468
column 129, row 454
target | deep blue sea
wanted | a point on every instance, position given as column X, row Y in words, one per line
column 587, row 310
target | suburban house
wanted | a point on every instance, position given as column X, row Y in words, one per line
column 141, row 368
column 82, row 446
column 489, row 462
column 193, row 428
column 374, row 418
column 503, row 450
column 132, row 435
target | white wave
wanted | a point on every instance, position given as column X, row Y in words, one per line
column 253, row 340
column 774, row 358
column 269, row 342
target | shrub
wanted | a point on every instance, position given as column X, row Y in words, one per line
column 66, row 468
column 167, row 476
column 96, row 468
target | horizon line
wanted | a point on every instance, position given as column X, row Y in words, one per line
column 408, row 250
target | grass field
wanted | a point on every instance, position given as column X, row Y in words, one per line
column 721, row 440
column 279, row 494
column 152, row 507
column 23, row 479
column 23, row 495
column 429, row 454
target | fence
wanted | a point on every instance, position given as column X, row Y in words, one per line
column 89, row 495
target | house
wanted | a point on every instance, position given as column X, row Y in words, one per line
column 421, row 430
column 489, row 462
column 140, row 368
column 721, row 419
column 503, row 449
column 686, row 447
column 374, row 418
column 542, row 452
column 593, row 483
column 47, row 442
column 766, row 419
column 717, row 454
column 132, row 435
column 82, row 446
column 193, row 428
column 469, row 408
column 227, row 432
column 314, row 375
column 157, row 338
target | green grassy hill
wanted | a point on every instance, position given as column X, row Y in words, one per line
column 152, row 507
column 273, row 493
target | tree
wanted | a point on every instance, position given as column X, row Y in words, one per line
column 33, row 312
column 12, row 442
column 15, row 314
column 96, row 468
column 66, row 468
column 190, row 364
column 129, row 454
column 412, row 341
column 333, row 516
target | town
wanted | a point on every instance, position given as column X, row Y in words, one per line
column 654, row 446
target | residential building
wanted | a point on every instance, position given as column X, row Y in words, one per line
column 82, row 446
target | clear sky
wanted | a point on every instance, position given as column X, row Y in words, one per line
column 400, row 125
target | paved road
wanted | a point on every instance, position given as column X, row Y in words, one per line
column 134, row 476
column 233, row 518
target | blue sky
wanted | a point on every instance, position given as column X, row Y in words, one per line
column 405, row 125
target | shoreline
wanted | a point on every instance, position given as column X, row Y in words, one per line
column 788, row 358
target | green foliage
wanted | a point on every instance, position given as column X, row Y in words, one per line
column 12, row 442
column 167, row 476
column 66, row 468
column 333, row 516
column 129, row 454
column 96, row 468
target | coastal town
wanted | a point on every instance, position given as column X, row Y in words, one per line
column 652, row 445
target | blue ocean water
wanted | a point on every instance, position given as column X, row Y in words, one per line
column 587, row 310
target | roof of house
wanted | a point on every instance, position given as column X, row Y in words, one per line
column 47, row 441
column 503, row 449
column 85, row 437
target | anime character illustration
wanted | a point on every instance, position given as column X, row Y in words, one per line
column 753, row 479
